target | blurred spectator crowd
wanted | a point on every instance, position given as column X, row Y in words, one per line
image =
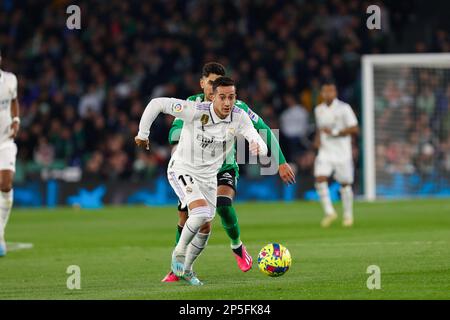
column 412, row 121
column 82, row 92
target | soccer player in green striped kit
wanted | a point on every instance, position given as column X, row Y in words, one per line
column 229, row 172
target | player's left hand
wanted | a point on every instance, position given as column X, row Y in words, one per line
column 142, row 143
column 14, row 129
column 286, row 173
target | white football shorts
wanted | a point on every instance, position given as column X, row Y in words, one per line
column 189, row 188
column 342, row 171
column 8, row 153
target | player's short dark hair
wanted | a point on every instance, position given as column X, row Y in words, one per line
column 213, row 68
column 222, row 82
column 328, row 82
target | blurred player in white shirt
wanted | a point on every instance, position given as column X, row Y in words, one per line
column 9, row 126
column 208, row 135
column 336, row 123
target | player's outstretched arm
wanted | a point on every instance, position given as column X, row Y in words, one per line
column 178, row 108
column 272, row 141
column 284, row 169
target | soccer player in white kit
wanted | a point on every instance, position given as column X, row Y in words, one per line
column 9, row 126
column 336, row 123
column 208, row 135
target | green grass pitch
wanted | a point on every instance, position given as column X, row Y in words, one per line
column 124, row 252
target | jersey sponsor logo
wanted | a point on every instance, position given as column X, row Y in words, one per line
column 226, row 175
column 253, row 116
column 204, row 141
column 177, row 107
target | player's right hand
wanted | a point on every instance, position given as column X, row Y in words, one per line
column 14, row 130
column 142, row 143
column 254, row 148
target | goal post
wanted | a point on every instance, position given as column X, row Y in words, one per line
column 406, row 125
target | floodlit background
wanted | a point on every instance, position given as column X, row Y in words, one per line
column 82, row 92
column 86, row 199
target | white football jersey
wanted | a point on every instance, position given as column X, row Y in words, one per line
column 205, row 138
column 8, row 92
column 338, row 116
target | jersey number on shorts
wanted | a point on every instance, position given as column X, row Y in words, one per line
column 183, row 180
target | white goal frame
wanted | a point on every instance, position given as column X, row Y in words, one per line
column 368, row 64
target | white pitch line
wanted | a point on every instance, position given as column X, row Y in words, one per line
column 372, row 243
column 14, row 246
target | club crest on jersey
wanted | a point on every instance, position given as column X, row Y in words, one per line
column 177, row 107
column 204, row 119
column 253, row 116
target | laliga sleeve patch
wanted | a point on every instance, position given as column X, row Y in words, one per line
column 253, row 116
column 177, row 107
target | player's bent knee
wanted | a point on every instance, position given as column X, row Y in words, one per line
column 223, row 201
column 203, row 212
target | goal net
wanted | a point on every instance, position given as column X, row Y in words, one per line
column 406, row 125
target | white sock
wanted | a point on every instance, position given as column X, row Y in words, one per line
column 6, row 203
column 347, row 201
column 197, row 217
column 235, row 246
column 195, row 248
column 325, row 200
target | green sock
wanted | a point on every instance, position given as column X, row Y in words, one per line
column 177, row 238
column 230, row 223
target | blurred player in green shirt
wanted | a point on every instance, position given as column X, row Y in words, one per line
column 229, row 172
